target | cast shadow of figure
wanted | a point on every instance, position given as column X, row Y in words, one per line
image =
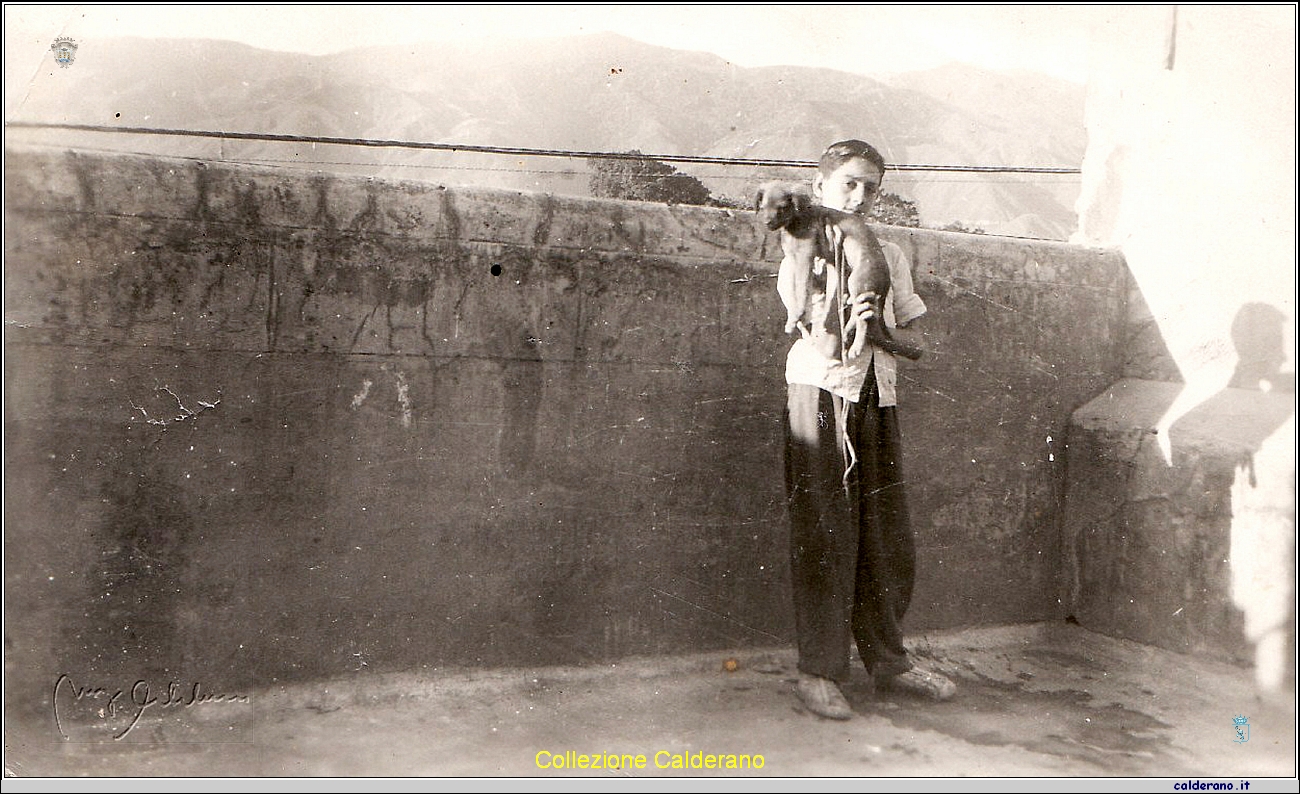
column 1254, row 415
column 1258, row 334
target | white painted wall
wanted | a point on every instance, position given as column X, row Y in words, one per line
column 1191, row 169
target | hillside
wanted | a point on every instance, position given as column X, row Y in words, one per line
column 596, row 92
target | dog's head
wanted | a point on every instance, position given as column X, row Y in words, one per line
column 779, row 203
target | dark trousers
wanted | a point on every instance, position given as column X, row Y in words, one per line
column 853, row 555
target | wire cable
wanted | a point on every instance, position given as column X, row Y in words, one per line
column 519, row 150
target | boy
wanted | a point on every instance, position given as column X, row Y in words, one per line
column 852, row 550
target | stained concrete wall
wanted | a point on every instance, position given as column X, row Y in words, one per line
column 262, row 424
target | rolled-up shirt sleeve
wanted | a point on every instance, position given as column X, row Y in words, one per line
column 907, row 304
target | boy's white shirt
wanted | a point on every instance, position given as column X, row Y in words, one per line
column 805, row 366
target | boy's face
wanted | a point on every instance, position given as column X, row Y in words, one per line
column 852, row 187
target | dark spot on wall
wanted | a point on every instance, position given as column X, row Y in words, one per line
column 542, row 234
column 202, row 185
column 322, row 216
column 451, row 219
column 85, row 182
column 368, row 218
column 249, row 204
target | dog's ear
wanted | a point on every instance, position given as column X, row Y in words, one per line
column 759, row 196
column 800, row 201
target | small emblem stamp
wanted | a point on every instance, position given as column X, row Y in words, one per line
column 65, row 50
column 1242, row 728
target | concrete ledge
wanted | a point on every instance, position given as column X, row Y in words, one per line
column 1149, row 542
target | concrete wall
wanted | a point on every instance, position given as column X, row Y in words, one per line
column 264, row 425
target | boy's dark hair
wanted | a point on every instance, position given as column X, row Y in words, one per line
column 837, row 154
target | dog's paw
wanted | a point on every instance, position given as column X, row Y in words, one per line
column 858, row 347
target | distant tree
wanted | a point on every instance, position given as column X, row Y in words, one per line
column 958, row 226
column 645, row 179
column 731, row 202
column 895, row 210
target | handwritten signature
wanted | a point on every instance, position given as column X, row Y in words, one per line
column 134, row 701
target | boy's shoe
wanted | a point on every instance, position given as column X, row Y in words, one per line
column 889, row 667
column 822, row 696
column 925, row 683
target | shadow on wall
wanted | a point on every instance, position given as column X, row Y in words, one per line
column 1262, row 494
column 1144, row 351
column 1258, row 334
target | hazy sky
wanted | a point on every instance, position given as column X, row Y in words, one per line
column 865, row 39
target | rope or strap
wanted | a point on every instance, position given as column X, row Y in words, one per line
column 841, row 296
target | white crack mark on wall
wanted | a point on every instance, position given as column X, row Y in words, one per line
column 404, row 397
column 361, row 396
column 969, row 291
column 185, row 412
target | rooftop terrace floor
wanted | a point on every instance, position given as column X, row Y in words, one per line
column 1041, row 700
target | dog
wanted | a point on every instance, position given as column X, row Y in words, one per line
column 801, row 280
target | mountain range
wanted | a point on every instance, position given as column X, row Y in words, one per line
column 599, row 92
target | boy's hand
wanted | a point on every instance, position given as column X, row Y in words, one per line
column 865, row 306
column 900, row 341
